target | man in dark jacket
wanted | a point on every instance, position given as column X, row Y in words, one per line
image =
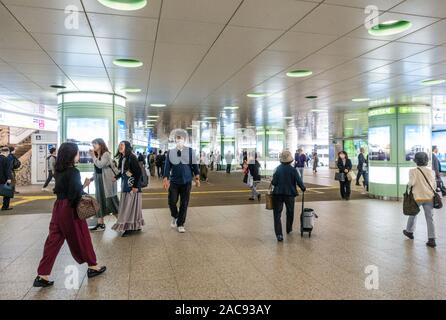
column 436, row 166
column 179, row 171
column 285, row 182
column 159, row 164
column 361, row 162
column 5, row 174
column 300, row 159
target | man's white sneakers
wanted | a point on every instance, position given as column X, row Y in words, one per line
column 181, row 229
column 173, row 224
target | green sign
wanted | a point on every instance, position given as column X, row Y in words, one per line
column 381, row 111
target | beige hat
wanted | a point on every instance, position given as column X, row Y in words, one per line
column 286, row 157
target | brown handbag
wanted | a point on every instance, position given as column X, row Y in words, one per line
column 87, row 207
column 269, row 199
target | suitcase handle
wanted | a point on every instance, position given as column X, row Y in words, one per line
column 303, row 197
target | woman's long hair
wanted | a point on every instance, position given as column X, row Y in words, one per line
column 127, row 152
column 65, row 156
column 102, row 147
column 344, row 153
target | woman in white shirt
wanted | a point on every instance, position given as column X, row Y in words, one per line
column 423, row 191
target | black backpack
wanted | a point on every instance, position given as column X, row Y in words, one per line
column 16, row 163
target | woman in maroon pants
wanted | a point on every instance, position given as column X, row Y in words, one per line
column 65, row 224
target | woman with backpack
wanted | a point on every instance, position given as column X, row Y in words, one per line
column 254, row 176
column 423, row 184
column 130, row 207
column 104, row 182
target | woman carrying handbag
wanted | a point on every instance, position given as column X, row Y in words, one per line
column 422, row 182
column 345, row 167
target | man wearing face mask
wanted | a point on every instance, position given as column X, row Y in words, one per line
column 180, row 169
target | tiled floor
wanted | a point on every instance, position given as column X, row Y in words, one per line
column 231, row 252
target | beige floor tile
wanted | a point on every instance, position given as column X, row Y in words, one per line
column 164, row 289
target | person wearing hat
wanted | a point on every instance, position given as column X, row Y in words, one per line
column 285, row 182
column 422, row 181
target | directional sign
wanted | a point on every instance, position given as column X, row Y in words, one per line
column 439, row 118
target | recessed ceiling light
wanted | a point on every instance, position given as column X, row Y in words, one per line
column 58, row 86
column 126, row 5
column 349, row 128
column 153, row 117
column 311, row 97
column 127, row 63
column 352, row 119
column 231, row 108
column 210, row 118
column 257, row 94
column 299, row 73
column 151, row 120
column 360, row 99
column 158, row 105
column 389, row 28
column 317, row 110
column 131, row 90
column 288, row 118
column 432, row 82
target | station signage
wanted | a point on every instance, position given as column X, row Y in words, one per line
column 11, row 119
column 439, row 118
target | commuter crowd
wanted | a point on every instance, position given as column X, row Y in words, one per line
column 179, row 168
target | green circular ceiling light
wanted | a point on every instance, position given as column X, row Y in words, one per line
column 299, row 73
column 432, row 82
column 389, row 28
column 127, row 63
column 131, row 90
column 360, row 99
column 311, row 97
column 257, row 94
column 126, row 5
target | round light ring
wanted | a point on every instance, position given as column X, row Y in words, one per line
column 125, row 5
column 131, row 90
column 127, row 63
column 390, row 28
column 299, row 73
column 432, row 82
column 311, row 97
column 257, row 94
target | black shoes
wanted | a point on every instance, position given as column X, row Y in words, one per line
column 99, row 227
column 93, row 273
column 126, row 233
column 6, row 209
column 42, row 283
column 280, row 238
column 408, row 234
column 431, row 243
column 252, row 199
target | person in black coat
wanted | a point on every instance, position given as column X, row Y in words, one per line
column 254, row 177
column 285, row 182
column 362, row 162
column 5, row 174
column 344, row 166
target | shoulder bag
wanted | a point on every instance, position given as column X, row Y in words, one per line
column 436, row 199
column 410, row 206
column 87, row 207
column 340, row 176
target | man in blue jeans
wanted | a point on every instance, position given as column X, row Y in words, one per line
column 300, row 160
column 179, row 170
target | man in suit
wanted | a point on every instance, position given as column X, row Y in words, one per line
column 361, row 162
column 436, row 166
column 5, row 174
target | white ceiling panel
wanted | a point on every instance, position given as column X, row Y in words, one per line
column 25, row 56
column 123, row 27
column 151, row 10
column 55, row 21
column 397, row 51
column 32, row 68
column 186, row 32
column 432, row 8
column 433, row 34
column 400, row 67
column 7, row 22
column 333, row 20
column 278, row 14
column 381, row 4
column 301, row 42
column 48, row 4
column 76, row 59
column 17, row 40
column 279, row 58
column 211, row 11
column 351, row 47
column 434, row 55
column 76, row 71
column 125, row 48
column 63, row 43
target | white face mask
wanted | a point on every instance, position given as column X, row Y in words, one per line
column 180, row 143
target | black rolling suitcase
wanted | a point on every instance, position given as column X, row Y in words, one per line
column 307, row 217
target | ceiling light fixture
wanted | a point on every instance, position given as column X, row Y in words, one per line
column 126, row 5
column 299, row 73
column 128, row 63
column 311, row 97
column 288, row 118
column 257, row 94
column 131, row 90
column 231, row 108
column 158, row 105
column 155, row 117
column 389, row 28
column 432, row 82
column 360, row 99
column 210, row 118
column 58, row 86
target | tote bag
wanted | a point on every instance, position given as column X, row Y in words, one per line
column 410, row 206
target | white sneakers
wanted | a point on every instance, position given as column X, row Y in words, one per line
column 173, row 224
column 45, row 189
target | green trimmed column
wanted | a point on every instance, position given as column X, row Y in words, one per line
column 84, row 116
column 396, row 133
